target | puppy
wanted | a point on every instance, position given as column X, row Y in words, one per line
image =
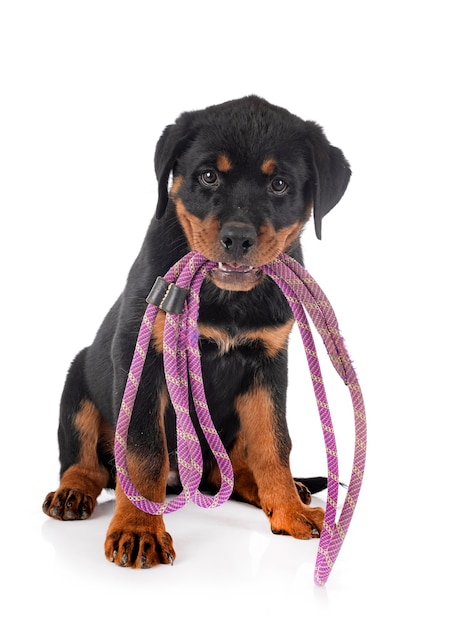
column 237, row 182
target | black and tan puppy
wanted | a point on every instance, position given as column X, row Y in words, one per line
column 245, row 178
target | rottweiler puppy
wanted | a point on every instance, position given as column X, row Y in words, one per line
column 237, row 182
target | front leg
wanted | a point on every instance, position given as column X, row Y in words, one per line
column 134, row 538
column 267, row 447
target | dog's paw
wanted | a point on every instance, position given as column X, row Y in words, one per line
column 139, row 548
column 68, row 505
column 301, row 524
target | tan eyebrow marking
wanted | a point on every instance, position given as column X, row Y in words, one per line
column 269, row 166
column 223, row 163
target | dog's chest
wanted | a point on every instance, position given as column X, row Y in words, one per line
column 270, row 339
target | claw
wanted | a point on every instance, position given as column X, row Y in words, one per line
column 143, row 563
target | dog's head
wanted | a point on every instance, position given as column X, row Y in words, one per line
column 246, row 177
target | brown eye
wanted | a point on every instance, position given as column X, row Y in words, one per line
column 279, row 186
column 209, row 178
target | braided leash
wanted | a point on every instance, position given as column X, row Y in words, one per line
column 182, row 366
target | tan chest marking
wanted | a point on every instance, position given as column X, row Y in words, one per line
column 274, row 339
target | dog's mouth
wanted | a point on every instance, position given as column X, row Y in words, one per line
column 236, row 277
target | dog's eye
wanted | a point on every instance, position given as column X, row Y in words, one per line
column 209, row 178
column 279, row 186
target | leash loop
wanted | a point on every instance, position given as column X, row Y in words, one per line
column 181, row 363
column 301, row 291
column 177, row 293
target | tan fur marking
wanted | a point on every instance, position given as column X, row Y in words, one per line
column 269, row 166
column 224, row 341
column 257, row 413
column 89, row 476
column 139, row 470
column 274, row 339
column 88, row 481
column 245, row 486
column 176, row 186
column 92, row 429
column 82, row 482
column 158, row 332
column 223, row 163
column 202, row 235
column 277, row 492
column 275, row 241
column 136, row 539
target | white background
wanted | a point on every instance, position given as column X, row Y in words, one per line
column 86, row 89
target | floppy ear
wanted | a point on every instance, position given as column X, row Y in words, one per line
column 330, row 172
column 170, row 146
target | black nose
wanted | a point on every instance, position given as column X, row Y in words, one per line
column 237, row 239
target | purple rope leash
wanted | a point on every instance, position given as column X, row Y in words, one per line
column 182, row 365
column 301, row 290
column 181, row 357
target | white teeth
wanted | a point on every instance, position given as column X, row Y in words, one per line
column 225, row 267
